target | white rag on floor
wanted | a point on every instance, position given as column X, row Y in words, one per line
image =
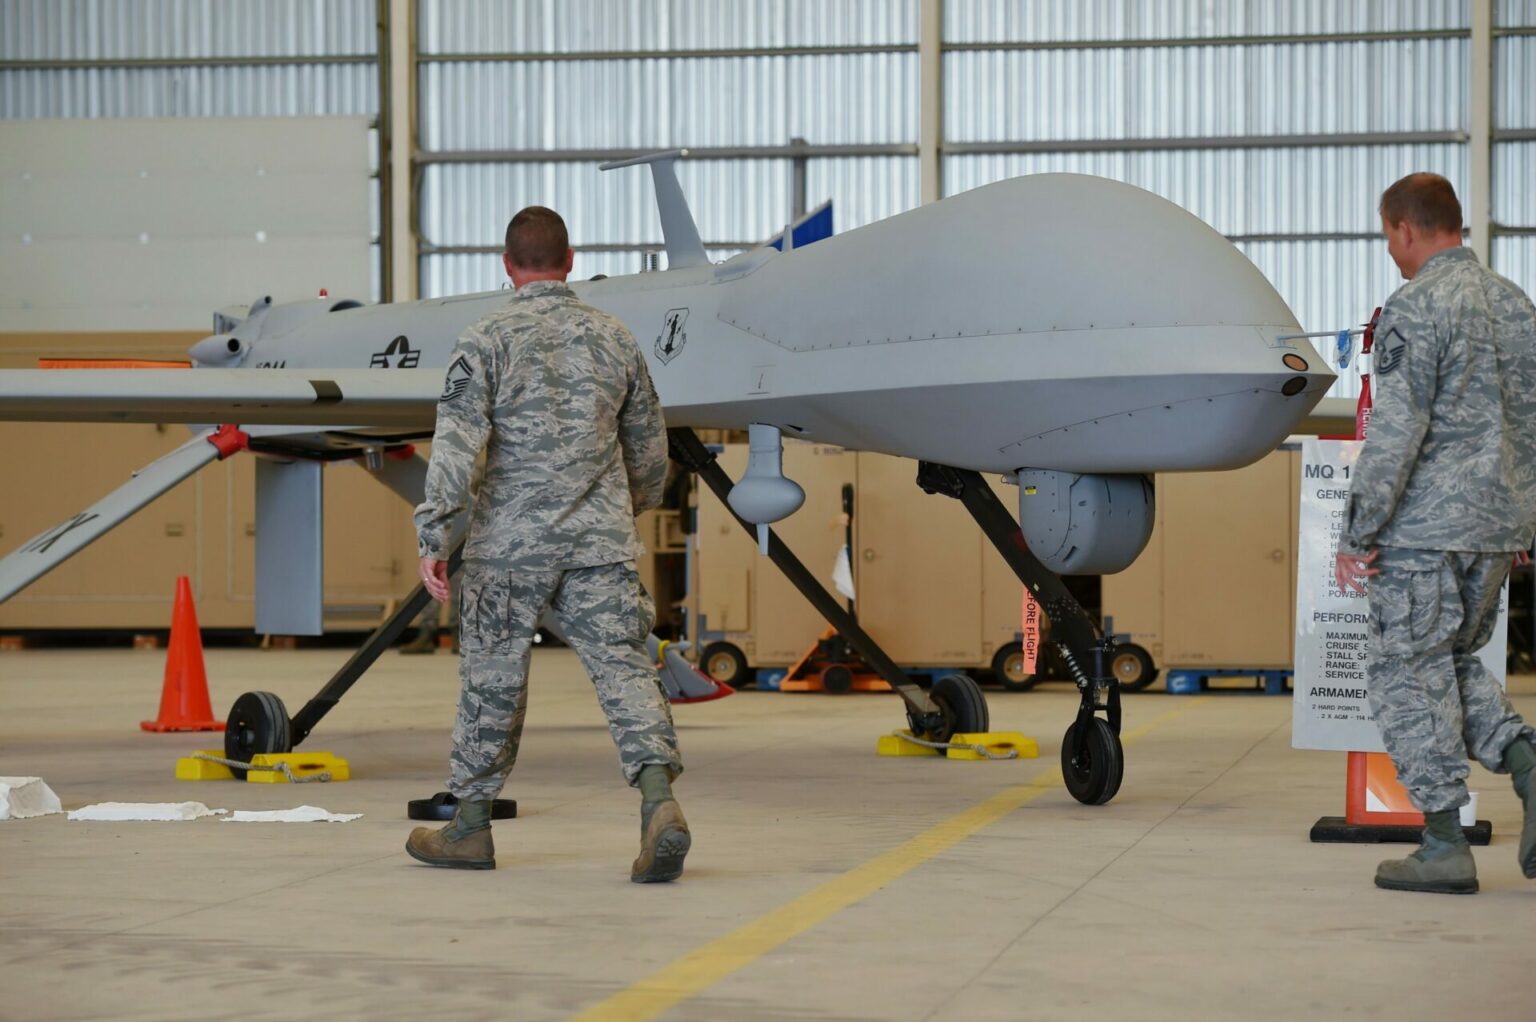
column 303, row 814
column 24, row 797
column 156, row 811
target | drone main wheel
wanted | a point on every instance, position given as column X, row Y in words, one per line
column 962, row 706
column 258, row 723
column 1092, row 773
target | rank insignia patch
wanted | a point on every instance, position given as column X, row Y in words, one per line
column 1391, row 350
column 457, row 380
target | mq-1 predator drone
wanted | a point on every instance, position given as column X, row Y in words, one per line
column 1073, row 333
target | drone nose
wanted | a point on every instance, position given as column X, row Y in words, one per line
column 218, row 350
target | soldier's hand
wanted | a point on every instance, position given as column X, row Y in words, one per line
column 434, row 575
column 1522, row 558
column 1349, row 569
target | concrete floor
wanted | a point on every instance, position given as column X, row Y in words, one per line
column 825, row 882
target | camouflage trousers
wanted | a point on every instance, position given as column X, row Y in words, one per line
column 1436, row 704
column 604, row 614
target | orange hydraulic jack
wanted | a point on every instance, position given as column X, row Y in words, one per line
column 830, row 666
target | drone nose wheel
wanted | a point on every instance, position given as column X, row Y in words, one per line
column 258, row 723
column 1092, row 761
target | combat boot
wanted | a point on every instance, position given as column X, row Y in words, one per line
column 664, row 841
column 1442, row 865
column 464, row 844
column 1520, row 761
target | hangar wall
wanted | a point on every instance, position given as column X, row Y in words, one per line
column 1278, row 123
column 194, row 58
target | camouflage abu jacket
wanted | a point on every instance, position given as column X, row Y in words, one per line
column 558, row 396
column 1449, row 462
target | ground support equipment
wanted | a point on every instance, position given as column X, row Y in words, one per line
column 830, row 665
column 1186, row 682
column 1092, row 756
column 953, row 704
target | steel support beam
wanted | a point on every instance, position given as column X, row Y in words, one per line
column 1480, row 148
column 720, row 53
column 767, row 152
column 385, row 173
column 1099, row 145
column 930, row 122
column 1185, row 42
column 405, row 267
column 164, row 63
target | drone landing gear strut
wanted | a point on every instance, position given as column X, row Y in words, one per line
column 955, row 704
column 1092, row 756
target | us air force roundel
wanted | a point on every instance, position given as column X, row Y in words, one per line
column 1393, row 347
column 669, row 344
column 457, row 380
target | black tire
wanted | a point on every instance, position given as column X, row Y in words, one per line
column 726, row 663
column 962, row 705
column 1093, row 777
column 1132, row 667
column 837, row 679
column 258, row 723
column 1008, row 668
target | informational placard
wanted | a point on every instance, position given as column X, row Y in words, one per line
column 1330, row 709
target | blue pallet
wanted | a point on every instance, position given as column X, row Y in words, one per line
column 1186, row 682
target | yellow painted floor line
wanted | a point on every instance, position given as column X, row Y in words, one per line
column 702, row 968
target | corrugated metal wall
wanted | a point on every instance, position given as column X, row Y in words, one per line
column 1055, row 21
column 1197, row 91
column 57, row 60
column 1513, row 202
column 1204, row 72
column 539, row 78
column 554, row 76
column 590, row 26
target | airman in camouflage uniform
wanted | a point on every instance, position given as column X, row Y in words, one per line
column 1443, row 496
column 557, row 396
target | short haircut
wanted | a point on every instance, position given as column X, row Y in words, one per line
column 1424, row 200
column 537, row 239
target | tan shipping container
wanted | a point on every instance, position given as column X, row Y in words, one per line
column 931, row 589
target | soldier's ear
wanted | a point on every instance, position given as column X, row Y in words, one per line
column 506, row 262
column 570, row 260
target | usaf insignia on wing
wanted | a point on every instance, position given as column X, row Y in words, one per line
column 457, row 380
column 1393, row 347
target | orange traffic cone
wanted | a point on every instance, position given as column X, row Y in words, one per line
column 184, row 702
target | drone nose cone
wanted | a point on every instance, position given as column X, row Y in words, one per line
column 218, row 350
